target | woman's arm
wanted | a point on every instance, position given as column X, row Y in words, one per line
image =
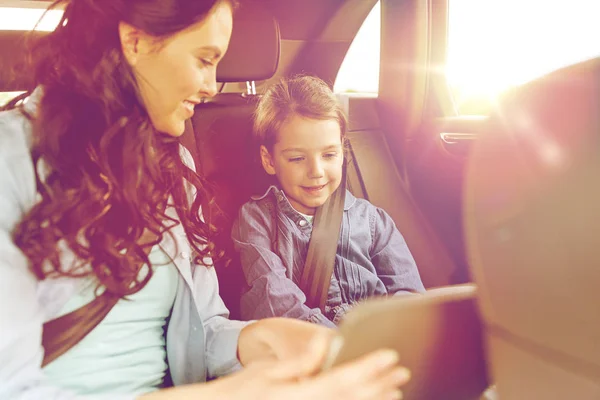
column 221, row 333
column 373, row 377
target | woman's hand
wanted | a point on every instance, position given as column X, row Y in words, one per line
column 372, row 377
column 279, row 339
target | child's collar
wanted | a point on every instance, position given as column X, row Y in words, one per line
column 280, row 196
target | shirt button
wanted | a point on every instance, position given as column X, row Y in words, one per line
column 185, row 255
column 302, row 222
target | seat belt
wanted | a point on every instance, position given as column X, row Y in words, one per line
column 322, row 247
column 61, row 334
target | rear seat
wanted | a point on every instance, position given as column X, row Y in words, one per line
column 373, row 175
column 220, row 136
column 228, row 158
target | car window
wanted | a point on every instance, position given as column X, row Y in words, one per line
column 359, row 71
column 13, row 18
column 494, row 45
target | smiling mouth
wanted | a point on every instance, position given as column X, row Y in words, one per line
column 189, row 105
column 313, row 189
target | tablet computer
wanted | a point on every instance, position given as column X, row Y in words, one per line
column 437, row 334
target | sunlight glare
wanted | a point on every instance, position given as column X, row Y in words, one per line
column 494, row 45
column 24, row 19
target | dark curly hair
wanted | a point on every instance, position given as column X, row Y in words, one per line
column 110, row 176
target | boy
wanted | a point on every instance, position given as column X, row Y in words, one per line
column 301, row 128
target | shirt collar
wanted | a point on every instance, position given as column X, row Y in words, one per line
column 282, row 198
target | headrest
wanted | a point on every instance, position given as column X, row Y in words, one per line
column 12, row 56
column 532, row 225
column 253, row 53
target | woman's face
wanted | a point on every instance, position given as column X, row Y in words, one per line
column 174, row 74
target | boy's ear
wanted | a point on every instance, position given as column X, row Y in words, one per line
column 267, row 160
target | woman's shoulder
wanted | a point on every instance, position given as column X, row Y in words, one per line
column 15, row 133
column 16, row 127
column 17, row 176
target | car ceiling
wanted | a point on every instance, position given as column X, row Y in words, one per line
column 316, row 34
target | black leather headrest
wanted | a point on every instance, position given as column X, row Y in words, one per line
column 253, row 53
column 12, row 56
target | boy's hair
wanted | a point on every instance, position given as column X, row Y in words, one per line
column 303, row 95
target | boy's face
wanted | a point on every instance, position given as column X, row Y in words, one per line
column 307, row 159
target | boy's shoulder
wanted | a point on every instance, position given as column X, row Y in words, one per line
column 260, row 206
column 362, row 211
column 358, row 205
column 269, row 197
column 265, row 205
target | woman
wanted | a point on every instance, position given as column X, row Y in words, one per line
column 99, row 202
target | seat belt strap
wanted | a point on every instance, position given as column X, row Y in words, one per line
column 322, row 247
column 61, row 334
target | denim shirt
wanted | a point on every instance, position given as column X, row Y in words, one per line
column 272, row 238
column 201, row 342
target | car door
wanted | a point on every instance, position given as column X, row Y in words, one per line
column 444, row 64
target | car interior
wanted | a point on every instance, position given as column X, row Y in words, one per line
column 506, row 203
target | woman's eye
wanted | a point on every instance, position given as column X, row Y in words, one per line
column 206, row 62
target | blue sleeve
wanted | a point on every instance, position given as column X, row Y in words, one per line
column 222, row 334
column 270, row 292
column 391, row 257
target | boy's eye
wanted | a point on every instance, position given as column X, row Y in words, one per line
column 295, row 159
column 330, row 155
